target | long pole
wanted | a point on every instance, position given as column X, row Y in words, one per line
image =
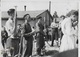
column 15, row 21
column 50, row 6
column 49, row 11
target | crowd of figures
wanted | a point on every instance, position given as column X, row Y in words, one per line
column 13, row 43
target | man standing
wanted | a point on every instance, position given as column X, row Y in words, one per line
column 9, row 26
column 40, row 36
column 54, row 32
column 27, row 33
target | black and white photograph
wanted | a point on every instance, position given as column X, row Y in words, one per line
column 39, row 28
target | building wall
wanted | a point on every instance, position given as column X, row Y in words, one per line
column 3, row 21
column 33, row 22
column 47, row 17
column 20, row 21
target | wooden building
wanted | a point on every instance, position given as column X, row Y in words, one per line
column 34, row 14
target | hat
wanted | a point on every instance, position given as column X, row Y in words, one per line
column 10, row 11
column 26, row 15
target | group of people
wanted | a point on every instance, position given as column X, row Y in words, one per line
column 25, row 33
column 66, row 32
column 67, row 29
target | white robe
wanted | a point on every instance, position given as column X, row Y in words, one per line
column 9, row 26
column 68, row 41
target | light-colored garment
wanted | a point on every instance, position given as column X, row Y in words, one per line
column 9, row 26
column 60, row 24
column 69, row 39
column 53, row 25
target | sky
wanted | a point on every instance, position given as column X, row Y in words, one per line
column 62, row 7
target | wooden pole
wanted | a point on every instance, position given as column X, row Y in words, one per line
column 49, row 11
column 50, row 6
column 15, row 21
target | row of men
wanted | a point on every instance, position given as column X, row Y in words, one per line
column 26, row 33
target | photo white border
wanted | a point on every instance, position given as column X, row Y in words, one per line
column 79, row 33
column 78, row 30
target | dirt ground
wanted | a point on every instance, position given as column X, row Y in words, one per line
column 49, row 51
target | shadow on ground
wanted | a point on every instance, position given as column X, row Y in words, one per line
column 48, row 53
column 51, row 52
